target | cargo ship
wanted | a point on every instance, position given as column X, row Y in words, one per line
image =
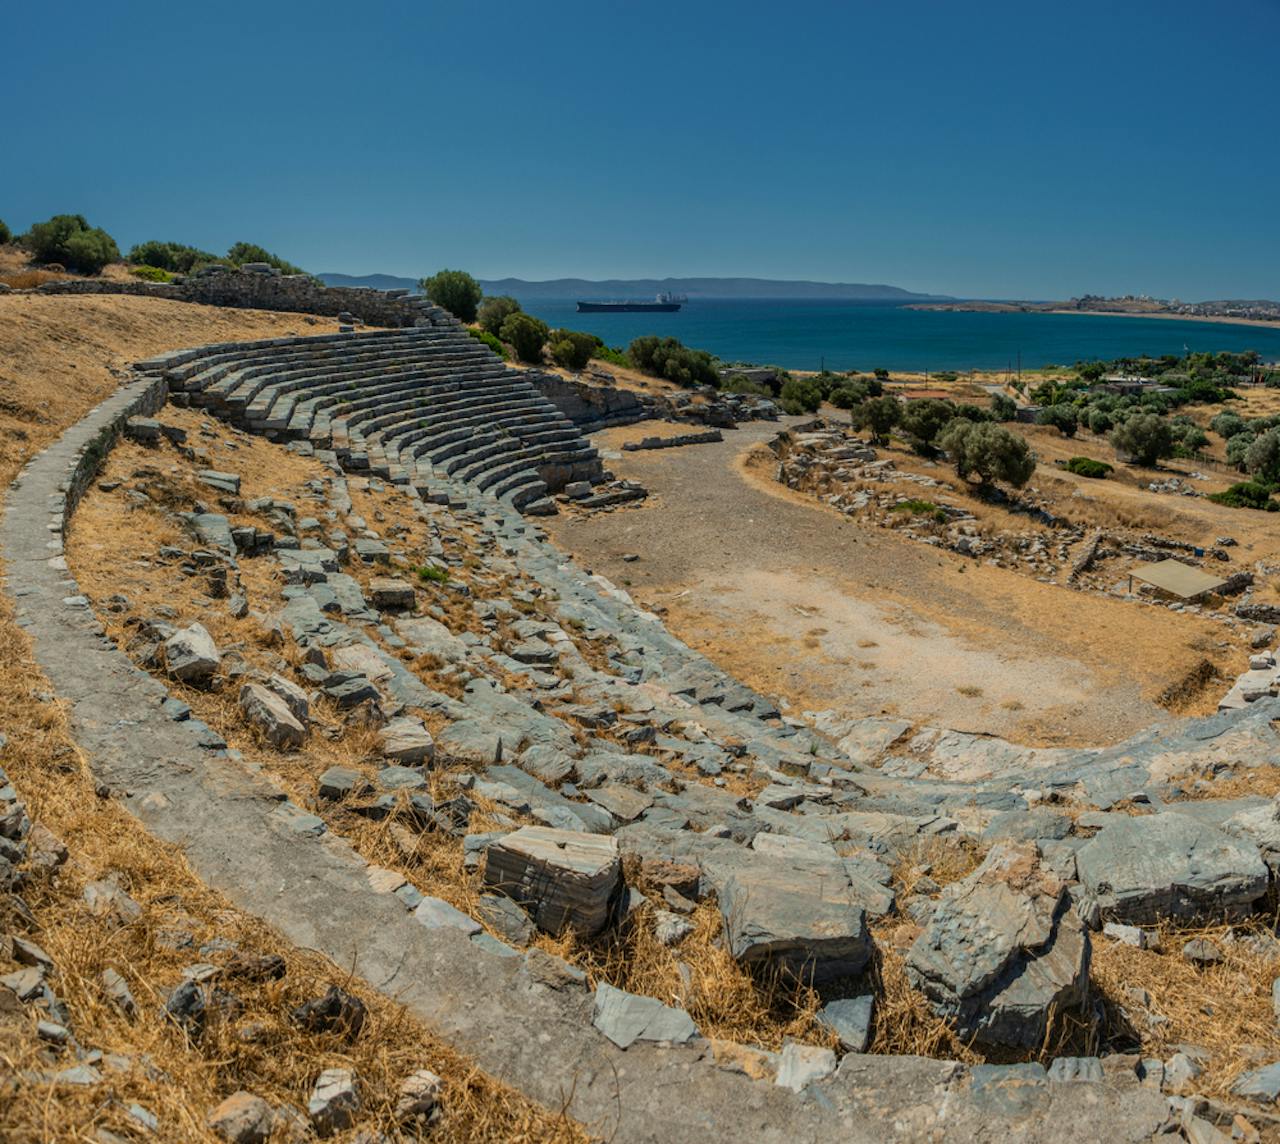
column 662, row 304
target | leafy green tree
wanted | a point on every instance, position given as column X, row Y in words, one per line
column 801, row 395
column 1061, row 417
column 1003, row 408
column 923, row 420
column 988, row 451
column 1091, row 371
column 6, row 235
column 492, row 312
column 1263, row 457
column 241, row 252
column 881, row 374
column 971, row 412
column 458, row 293
column 527, row 336
column 72, row 242
column 1238, row 448
column 741, row 383
column 878, row 415
column 571, row 349
column 1146, row 437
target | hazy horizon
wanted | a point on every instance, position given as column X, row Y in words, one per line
column 1008, row 152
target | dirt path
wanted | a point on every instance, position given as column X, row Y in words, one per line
column 809, row 606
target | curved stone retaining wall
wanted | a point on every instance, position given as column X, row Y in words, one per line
column 294, row 293
column 523, row 1018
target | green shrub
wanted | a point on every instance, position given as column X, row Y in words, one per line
column 489, row 340
column 70, row 241
column 527, row 336
column 1146, row 437
column 1247, row 494
column 456, row 291
column 612, row 354
column 572, row 349
column 242, row 252
column 800, row 395
column 881, row 374
column 492, row 312
column 921, row 508
column 1003, row 408
column 667, row 358
column 432, row 574
column 151, row 273
column 740, row 383
column 1088, row 467
column 1100, row 421
column 171, row 256
column 1227, row 424
column 1061, row 417
column 6, row 235
column 852, row 392
column 989, row 451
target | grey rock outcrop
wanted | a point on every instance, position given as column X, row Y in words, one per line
column 1144, row 868
column 191, row 655
column 270, row 715
column 1003, row 950
column 627, row 1017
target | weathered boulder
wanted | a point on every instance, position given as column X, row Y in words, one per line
column 271, row 717
column 390, row 592
column 563, row 878
column 191, row 655
column 293, row 695
column 1260, row 826
column 407, row 741
column 1003, row 950
column 1140, row 869
column 850, row 1019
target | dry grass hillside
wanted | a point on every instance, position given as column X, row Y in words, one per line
column 107, row 896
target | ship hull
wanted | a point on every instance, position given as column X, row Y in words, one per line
column 628, row 307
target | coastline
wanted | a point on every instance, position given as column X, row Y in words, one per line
column 1014, row 308
column 1220, row 319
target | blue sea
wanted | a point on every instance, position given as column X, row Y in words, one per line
column 857, row 335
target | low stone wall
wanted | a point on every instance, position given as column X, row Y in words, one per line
column 592, row 407
column 291, row 293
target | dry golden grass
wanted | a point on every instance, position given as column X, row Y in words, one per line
column 256, row 1047
column 1225, row 1009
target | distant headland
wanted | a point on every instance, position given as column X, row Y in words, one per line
column 1259, row 312
column 723, row 288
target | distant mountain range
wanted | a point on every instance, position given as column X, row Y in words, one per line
column 734, row 288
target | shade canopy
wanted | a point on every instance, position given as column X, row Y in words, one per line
column 1178, row 579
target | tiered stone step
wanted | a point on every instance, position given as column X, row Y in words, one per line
column 411, row 405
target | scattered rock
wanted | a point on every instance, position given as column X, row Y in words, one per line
column 1200, row 951
column 626, row 1018
column 243, row 1119
column 407, row 741
column 419, row 1096
column 271, row 717
column 850, row 1020
column 334, row 1102
column 336, row 1012
column 800, row 1065
column 191, row 655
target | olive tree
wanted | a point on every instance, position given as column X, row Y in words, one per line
column 1145, row 437
column 988, row 451
column 527, row 335
column 492, row 312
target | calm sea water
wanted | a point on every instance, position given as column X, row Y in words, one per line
column 856, row 335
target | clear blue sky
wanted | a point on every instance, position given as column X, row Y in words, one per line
column 996, row 149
